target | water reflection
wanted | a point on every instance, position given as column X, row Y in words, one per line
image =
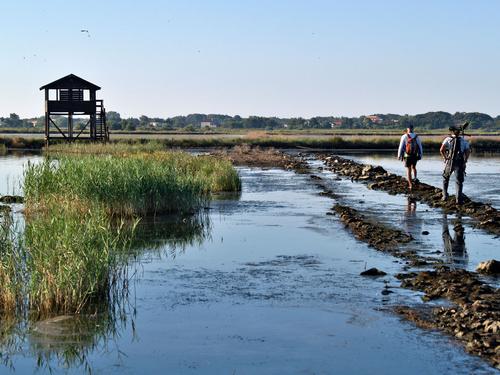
column 454, row 247
column 411, row 220
column 64, row 341
column 170, row 234
column 67, row 341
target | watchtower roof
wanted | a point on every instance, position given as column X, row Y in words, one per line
column 71, row 82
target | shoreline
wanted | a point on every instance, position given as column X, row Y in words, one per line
column 367, row 143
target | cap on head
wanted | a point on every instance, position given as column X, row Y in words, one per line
column 454, row 129
column 410, row 127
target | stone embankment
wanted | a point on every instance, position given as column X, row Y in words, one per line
column 474, row 319
column 377, row 178
column 377, row 235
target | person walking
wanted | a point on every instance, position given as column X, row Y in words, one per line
column 410, row 151
column 455, row 151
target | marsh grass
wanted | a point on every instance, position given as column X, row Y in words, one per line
column 136, row 183
column 11, row 271
column 81, row 214
column 72, row 256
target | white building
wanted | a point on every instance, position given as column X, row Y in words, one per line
column 207, row 124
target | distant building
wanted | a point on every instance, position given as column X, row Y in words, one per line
column 207, row 124
column 375, row 119
column 335, row 123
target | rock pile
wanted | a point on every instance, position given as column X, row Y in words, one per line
column 490, row 267
column 475, row 318
column 378, row 178
column 375, row 234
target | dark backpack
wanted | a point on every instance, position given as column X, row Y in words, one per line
column 411, row 146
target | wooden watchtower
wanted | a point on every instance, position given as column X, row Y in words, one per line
column 70, row 96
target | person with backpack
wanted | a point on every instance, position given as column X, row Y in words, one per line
column 410, row 151
column 455, row 151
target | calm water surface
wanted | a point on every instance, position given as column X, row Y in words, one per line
column 261, row 283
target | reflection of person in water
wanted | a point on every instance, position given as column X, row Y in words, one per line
column 454, row 248
column 412, row 223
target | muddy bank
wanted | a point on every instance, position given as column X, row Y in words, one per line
column 474, row 319
column 264, row 158
column 377, row 178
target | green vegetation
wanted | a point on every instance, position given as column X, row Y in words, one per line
column 136, row 183
column 73, row 256
column 82, row 206
column 211, row 122
column 289, row 139
column 10, row 273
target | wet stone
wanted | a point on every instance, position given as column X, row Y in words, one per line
column 490, row 267
column 376, row 178
column 9, row 199
column 373, row 272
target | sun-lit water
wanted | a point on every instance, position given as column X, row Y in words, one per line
column 261, row 283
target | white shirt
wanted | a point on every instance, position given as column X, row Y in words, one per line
column 464, row 145
column 402, row 144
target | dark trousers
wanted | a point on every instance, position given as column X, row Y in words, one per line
column 459, row 171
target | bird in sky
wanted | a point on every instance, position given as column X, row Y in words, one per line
column 85, row 31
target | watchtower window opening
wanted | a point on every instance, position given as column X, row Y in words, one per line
column 86, row 95
column 52, row 94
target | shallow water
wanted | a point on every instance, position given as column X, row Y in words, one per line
column 458, row 249
column 482, row 182
column 266, row 283
column 11, row 172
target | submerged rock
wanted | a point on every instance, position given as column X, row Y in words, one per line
column 373, row 272
column 11, row 199
column 490, row 267
column 4, row 208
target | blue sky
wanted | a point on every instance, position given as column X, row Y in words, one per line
column 255, row 57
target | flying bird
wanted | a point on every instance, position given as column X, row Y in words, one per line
column 85, row 31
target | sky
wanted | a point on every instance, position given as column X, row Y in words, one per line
column 284, row 58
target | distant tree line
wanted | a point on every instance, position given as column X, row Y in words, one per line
column 429, row 120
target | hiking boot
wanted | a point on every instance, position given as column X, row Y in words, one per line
column 416, row 181
column 445, row 197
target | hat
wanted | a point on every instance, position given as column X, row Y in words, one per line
column 454, row 128
column 410, row 127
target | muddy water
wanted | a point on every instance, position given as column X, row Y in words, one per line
column 266, row 284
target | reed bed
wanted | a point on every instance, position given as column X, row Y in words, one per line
column 72, row 256
column 81, row 215
column 358, row 140
column 137, row 183
column 11, row 275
